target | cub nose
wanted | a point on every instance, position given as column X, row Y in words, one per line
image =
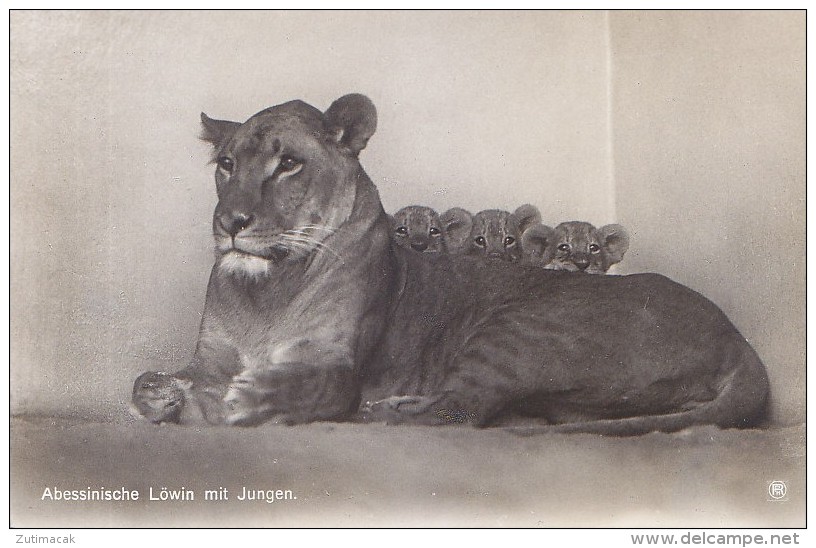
column 581, row 262
column 419, row 245
column 235, row 222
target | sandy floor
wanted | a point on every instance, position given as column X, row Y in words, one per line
column 376, row 475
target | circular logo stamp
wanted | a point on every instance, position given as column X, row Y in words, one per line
column 777, row 489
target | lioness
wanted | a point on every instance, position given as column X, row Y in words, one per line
column 311, row 311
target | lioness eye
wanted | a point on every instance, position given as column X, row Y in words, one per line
column 480, row 241
column 564, row 247
column 402, row 230
column 288, row 163
column 226, row 164
column 435, row 231
column 508, row 241
column 594, row 248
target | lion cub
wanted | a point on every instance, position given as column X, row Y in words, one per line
column 418, row 228
column 422, row 229
column 496, row 234
column 576, row 246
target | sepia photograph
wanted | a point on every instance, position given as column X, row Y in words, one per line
column 407, row 269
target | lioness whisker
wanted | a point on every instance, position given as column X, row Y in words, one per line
column 316, row 227
column 261, row 234
column 299, row 231
column 312, row 243
column 297, row 244
column 257, row 234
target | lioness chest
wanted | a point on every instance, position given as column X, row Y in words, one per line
column 284, row 320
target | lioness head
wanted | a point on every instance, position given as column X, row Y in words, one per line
column 286, row 181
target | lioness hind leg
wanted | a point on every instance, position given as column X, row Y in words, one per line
column 291, row 394
column 482, row 379
column 426, row 410
column 408, row 409
column 478, row 378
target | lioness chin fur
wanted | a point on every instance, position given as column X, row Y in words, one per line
column 313, row 314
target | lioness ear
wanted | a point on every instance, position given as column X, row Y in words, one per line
column 351, row 121
column 535, row 240
column 217, row 132
column 616, row 240
column 527, row 216
column 457, row 223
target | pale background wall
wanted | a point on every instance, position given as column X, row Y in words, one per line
column 111, row 197
column 708, row 117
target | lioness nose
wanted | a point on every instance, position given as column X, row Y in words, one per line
column 235, row 222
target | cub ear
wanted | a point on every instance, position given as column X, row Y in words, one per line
column 184, row 384
column 351, row 121
column 527, row 216
column 535, row 241
column 217, row 132
column 457, row 223
column 616, row 240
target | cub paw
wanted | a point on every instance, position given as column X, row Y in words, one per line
column 158, row 397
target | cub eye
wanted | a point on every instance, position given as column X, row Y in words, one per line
column 402, row 230
column 594, row 248
column 435, row 231
column 508, row 241
column 288, row 163
column 480, row 241
column 564, row 247
column 226, row 164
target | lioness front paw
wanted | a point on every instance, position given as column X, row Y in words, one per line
column 158, row 397
column 291, row 394
column 246, row 403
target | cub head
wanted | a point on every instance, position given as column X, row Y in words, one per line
column 287, row 179
column 496, row 234
column 456, row 225
column 576, row 246
column 418, row 228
